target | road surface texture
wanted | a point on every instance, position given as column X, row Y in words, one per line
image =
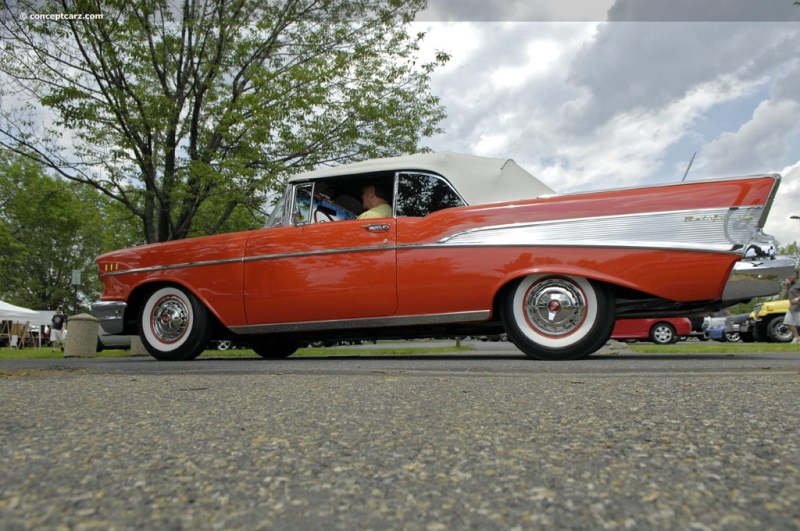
column 483, row 440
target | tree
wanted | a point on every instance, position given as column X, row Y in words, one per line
column 791, row 249
column 189, row 115
column 48, row 228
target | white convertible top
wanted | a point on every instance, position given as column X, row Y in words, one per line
column 478, row 179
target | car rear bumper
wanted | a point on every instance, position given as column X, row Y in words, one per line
column 757, row 278
column 109, row 314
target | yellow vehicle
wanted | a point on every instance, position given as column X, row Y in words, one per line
column 766, row 322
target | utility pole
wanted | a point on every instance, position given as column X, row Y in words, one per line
column 76, row 281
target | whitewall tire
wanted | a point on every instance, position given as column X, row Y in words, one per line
column 554, row 317
column 174, row 324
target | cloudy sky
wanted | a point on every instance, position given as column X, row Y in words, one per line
column 594, row 94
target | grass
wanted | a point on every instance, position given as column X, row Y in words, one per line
column 697, row 347
column 47, row 353
column 692, row 347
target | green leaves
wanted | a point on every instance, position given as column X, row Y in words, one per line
column 190, row 116
column 48, row 228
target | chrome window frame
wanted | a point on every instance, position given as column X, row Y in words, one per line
column 298, row 186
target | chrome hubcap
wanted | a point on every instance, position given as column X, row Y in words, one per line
column 555, row 307
column 170, row 319
column 662, row 334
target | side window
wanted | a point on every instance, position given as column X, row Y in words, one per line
column 420, row 194
column 301, row 210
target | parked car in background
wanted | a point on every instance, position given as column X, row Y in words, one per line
column 494, row 338
column 661, row 331
column 714, row 327
column 106, row 341
column 697, row 320
column 471, row 246
column 221, row 344
column 739, row 325
column 766, row 322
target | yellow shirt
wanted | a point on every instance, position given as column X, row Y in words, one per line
column 380, row 211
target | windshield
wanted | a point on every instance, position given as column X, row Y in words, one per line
column 312, row 202
column 278, row 217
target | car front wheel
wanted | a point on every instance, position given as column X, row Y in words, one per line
column 663, row 334
column 174, row 324
column 558, row 317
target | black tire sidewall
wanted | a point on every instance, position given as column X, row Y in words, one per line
column 274, row 350
column 772, row 329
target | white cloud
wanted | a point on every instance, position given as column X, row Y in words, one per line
column 542, row 55
column 630, row 148
column 595, row 104
column 488, row 145
column 516, row 10
column 758, row 142
column 779, row 222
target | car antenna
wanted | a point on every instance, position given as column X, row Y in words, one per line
column 689, row 166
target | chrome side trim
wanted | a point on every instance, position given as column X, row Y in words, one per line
column 321, row 252
column 371, row 322
column 109, row 315
column 721, row 230
column 247, row 259
column 172, row 266
column 713, row 229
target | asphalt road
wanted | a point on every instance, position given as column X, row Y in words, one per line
column 485, row 440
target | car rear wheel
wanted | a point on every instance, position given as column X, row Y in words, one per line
column 274, row 350
column 663, row 334
column 174, row 324
column 557, row 317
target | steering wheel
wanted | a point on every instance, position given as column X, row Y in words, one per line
column 320, row 216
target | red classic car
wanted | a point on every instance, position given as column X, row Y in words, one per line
column 662, row 330
column 471, row 246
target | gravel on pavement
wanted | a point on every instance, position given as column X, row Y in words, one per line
column 385, row 448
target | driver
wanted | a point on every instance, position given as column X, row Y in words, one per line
column 375, row 199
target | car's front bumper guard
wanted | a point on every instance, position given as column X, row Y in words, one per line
column 109, row 314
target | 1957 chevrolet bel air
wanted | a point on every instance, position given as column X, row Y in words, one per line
column 473, row 246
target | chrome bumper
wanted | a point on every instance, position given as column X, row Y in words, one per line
column 109, row 314
column 758, row 278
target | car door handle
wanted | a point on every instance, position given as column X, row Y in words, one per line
column 376, row 227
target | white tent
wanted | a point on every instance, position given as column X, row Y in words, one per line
column 9, row 312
